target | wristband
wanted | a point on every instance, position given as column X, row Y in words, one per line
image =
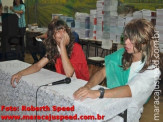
column 102, row 91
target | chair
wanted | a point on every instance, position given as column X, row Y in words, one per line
column 106, row 49
column 14, row 48
column 12, row 42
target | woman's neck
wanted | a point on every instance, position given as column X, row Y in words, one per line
column 137, row 57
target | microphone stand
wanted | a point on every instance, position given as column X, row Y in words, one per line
column 36, row 98
column 68, row 80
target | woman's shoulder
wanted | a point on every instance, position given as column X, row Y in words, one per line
column 77, row 46
column 116, row 55
column 22, row 5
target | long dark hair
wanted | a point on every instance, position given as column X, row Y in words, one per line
column 140, row 32
column 52, row 52
column 14, row 3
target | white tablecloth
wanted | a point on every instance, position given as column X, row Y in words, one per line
column 59, row 95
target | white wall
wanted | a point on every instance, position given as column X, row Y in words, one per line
column 8, row 2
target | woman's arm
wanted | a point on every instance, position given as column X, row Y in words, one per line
column 85, row 91
column 118, row 92
column 67, row 66
column 32, row 69
column 18, row 12
column 141, row 85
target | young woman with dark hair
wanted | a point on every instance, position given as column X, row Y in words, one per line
column 68, row 56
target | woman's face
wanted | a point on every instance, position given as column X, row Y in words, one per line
column 58, row 35
column 17, row 2
column 129, row 47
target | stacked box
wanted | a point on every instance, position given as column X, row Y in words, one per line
column 93, row 23
column 138, row 15
column 100, row 12
column 159, row 27
column 82, row 24
column 112, row 22
column 149, row 15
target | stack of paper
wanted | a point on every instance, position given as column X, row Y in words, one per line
column 110, row 28
column 128, row 19
column 137, row 15
column 159, row 20
column 121, row 21
column 149, row 15
column 82, row 24
column 110, row 5
column 70, row 22
column 159, row 13
column 159, row 27
column 100, row 12
column 100, row 6
column 93, row 23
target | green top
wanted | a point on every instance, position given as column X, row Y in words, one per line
column 115, row 75
column 21, row 21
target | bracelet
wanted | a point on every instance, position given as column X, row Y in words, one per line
column 102, row 91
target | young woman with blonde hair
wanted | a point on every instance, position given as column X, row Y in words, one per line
column 130, row 72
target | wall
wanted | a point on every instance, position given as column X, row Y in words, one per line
column 7, row 2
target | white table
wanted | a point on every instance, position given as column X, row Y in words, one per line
column 59, row 95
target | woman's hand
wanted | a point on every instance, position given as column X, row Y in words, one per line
column 65, row 39
column 16, row 77
column 84, row 92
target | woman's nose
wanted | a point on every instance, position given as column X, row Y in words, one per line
column 58, row 34
column 127, row 41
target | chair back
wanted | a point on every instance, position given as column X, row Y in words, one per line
column 107, row 44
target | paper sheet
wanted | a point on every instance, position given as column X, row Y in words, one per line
column 38, row 39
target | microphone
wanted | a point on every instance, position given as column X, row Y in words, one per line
column 63, row 81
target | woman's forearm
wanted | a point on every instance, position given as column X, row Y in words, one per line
column 119, row 92
column 67, row 66
column 85, row 92
column 97, row 78
column 35, row 67
column 32, row 69
column 18, row 12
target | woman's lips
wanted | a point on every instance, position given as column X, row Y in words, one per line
column 126, row 48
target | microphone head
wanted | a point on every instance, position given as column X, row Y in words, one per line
column 67, row 80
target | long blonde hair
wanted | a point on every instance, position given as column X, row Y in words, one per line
column 140, row 32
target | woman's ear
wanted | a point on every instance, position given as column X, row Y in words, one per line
column 53, row 36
